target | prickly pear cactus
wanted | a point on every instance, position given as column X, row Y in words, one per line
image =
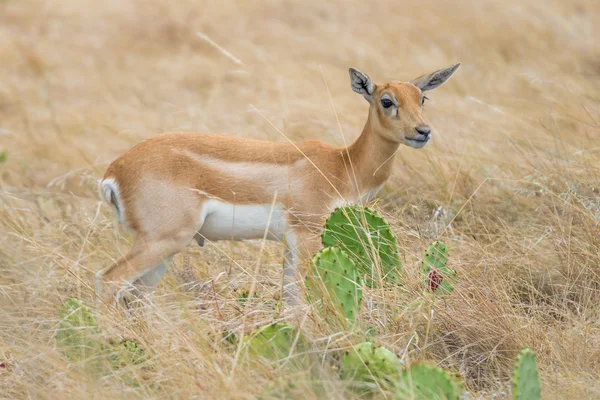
column 368, row 240
column 424, row 382
column 78, row 335
column 335, row 281
column 126, row 357
column 367, row 367
column 437, row 276
column 128, row 352
column 273, row 342
column 526, row 383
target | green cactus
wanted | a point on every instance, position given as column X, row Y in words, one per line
column 424, row 382
column 273, row 342
column 368, row 239
column 367, row 367
column 334, row 280
column 125, row 355
column 128, row 352
column 526, row 383
column 438, row 278
column 78, row 335
column 80, row 340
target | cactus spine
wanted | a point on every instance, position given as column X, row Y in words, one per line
column 334, row 279
column 368, row 240
column 438, row 278
column 526, row 383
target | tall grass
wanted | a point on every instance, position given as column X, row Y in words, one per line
column 510, row 182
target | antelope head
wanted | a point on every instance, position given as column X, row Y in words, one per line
column 396, row 108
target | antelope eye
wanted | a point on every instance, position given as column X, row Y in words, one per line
column 386, row 103
column 423, row 100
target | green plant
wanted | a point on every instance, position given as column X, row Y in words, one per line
column 526, row 383
column 230, row 337
column 421, row 381
column 80, row 340
column 78, row 335
column 368, row 240
column 242, row 299
column 128, row 352
column 273, row 342
column 123, row 356
column 438, row 278
column 367, row 367
column 334, row 280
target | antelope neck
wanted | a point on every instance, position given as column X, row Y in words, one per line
column 372, row 157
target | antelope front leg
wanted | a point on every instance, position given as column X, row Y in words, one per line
column 300, row 246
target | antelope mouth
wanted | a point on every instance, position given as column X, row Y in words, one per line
column 417, row 142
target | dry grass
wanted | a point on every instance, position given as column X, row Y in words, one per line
column 510, row 181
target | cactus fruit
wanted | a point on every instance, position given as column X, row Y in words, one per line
column 438, row 277
column 368, row 240
column 78, row 334
column 367, row 367
column 273, row 342
column 526, row 383
column 424, row 382
column 334, row 280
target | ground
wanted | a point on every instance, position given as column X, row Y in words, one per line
column 510, row 182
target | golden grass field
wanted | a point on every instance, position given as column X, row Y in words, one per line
column 510, row 182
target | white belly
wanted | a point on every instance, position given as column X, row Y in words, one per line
column 226, row 221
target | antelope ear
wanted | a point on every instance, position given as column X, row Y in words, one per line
column 435, row 79
column 361, row 83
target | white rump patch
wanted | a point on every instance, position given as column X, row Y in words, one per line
column 110, row 194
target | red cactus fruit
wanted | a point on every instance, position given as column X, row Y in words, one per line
column 435, row 279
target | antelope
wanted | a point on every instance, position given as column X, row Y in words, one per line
column 176, row 188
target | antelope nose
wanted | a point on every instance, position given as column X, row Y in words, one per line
column 423, row 130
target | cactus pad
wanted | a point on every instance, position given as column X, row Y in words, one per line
column 368, row 240
column 366, row 367
column 424, row 382
column 128, row 352
column 334, row 280
column 526, row 383
column 78, row 334
column 438, row 278
column 272, row 342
